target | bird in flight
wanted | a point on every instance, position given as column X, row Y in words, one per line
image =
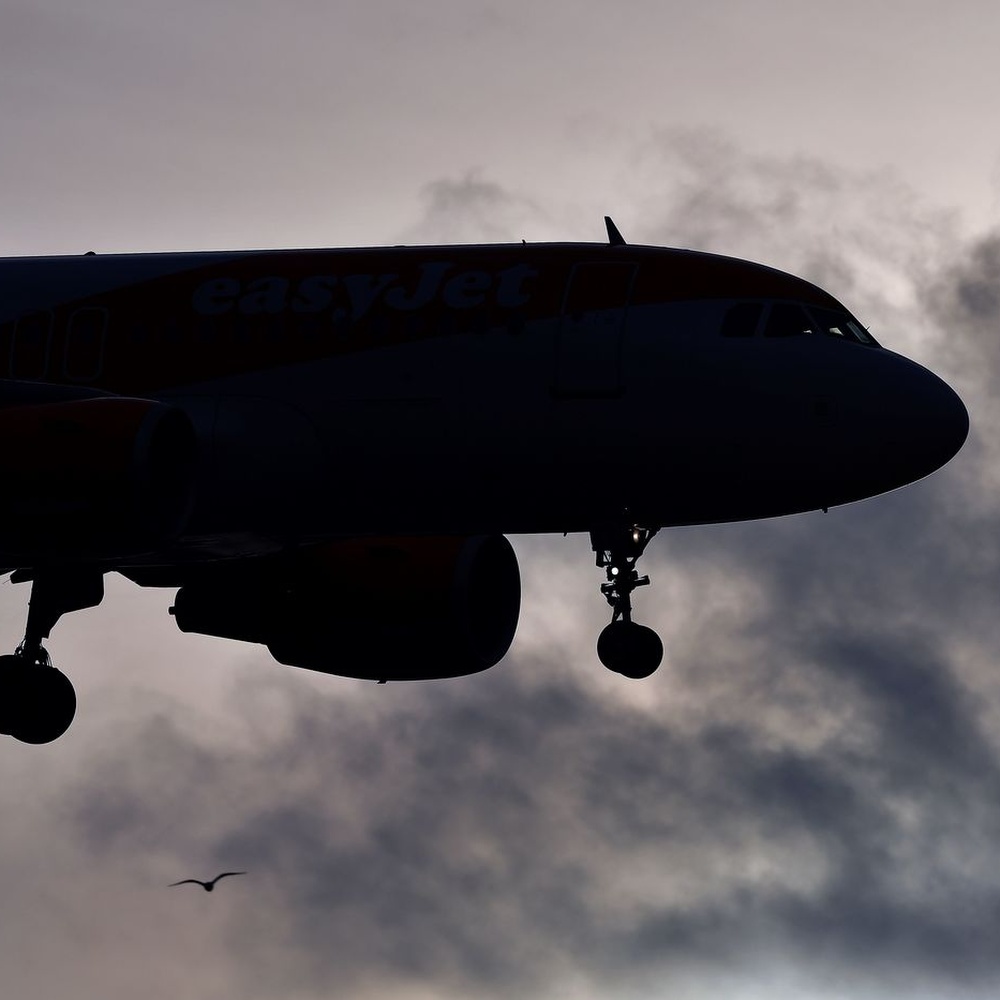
column 207, row 886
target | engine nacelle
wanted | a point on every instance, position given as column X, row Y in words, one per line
column 380, row 609
column 96, row 477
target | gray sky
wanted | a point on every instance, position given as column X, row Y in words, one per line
column 805, row 800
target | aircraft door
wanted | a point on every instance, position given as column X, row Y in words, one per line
column 591, row 328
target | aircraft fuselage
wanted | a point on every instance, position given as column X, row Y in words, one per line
column 514, row 388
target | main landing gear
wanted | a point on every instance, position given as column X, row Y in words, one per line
column 37, row 701
column 624, row 646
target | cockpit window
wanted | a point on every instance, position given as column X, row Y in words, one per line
column 790, row 319
column 787, row 320
column 741, row 319
column 837, row 324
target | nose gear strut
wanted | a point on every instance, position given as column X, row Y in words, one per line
column 625, row 646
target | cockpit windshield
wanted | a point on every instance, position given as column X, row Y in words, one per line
column 792, row 319
column 837, row 324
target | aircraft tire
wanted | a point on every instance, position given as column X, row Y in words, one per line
column 38, row 702
column 630, row 649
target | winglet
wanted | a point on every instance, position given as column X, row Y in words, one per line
column 615, row 238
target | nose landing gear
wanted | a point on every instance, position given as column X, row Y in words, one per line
column 37, row 701
column 624, row 646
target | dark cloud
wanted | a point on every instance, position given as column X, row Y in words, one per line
column 964, row 300
column 975, row 287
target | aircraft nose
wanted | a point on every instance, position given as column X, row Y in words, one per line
column 945, row 420
column 928, row 420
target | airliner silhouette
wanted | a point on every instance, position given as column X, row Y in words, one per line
column 321, row 450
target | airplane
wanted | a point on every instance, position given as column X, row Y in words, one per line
column 322, row 450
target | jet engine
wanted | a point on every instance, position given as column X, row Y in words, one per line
column 95, row 478
column 379, row 609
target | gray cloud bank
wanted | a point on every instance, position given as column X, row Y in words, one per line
column 810, row 783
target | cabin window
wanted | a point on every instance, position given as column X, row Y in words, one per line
column 741, row 320
column 787, row 320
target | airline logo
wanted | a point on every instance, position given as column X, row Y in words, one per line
column 353, row 296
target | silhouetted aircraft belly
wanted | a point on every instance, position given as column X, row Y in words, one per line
column 295, row 437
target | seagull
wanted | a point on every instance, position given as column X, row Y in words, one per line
column 207, row 886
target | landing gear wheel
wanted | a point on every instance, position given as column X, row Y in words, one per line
column 630, row 649
column 37, row 701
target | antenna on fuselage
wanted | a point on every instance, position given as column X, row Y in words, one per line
column 615, row 238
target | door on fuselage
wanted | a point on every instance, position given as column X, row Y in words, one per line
column 591, row 329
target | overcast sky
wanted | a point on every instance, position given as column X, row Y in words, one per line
column 804, row 802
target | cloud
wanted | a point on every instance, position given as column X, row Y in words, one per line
column 473, row 209
column 474, row 837
column 964, row 301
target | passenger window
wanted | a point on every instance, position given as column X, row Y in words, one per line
column 787, row 320
column 741, row 319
